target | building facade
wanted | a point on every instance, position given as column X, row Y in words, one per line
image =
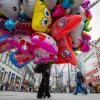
column 16, row 77
column 9, row 73
column 89, row 63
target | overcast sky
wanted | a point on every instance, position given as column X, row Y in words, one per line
column 95, row 33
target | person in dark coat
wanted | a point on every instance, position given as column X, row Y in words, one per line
column 90, row 87
column 6, row 86
column 80, row 79
column 44, row 90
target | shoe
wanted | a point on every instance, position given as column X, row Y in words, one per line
column 75, row 94
column 47, row 96
column 86, row 93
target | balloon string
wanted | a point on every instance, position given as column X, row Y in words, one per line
column 93, row 4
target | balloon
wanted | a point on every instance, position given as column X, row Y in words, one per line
column 11, row 24
column 45, row 42
column 71, row 3
column 42, row 55
column 66, row 3
column 5, row 46
column 20, row 59
column 66, row 57
column 84, row 43
column 64, row 25
column 80, row 11
column 41, row 19
column 77, row 3
column 85, row 3
column 28, row 6
column 10, row 8
column 59, row 11
column 76, row 34
column 87, row 26
column 4, row 35
column 23, row 43
column 50, row 3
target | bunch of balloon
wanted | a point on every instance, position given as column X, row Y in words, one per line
column 44, row 30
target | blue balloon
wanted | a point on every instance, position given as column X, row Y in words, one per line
column 4, row 37
column 15, row 61
column 10, row 24
column 66, row 4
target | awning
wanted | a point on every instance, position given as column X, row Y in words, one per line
column 92, row 72
column 94, row 79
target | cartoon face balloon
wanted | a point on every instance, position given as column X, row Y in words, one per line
column 50, row 3
column 41, row 19
column 10, row 8
column 28, row 6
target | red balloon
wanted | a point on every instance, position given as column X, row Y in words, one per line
column 64, row 25
column 66, row 57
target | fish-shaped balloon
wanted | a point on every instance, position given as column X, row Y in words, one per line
column 41, row 19
column 28, row 6
column 42, row 55
column 45, row 42
column 10, row 8
column 64, row 25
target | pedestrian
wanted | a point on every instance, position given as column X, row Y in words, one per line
column 6, row 86
column 90, row 87
column 2, row 86
column 44, row 90
column 80, row 80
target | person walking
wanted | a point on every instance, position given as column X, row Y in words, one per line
column 6, row 86
column 90, row 87
column 44, row 90
column 80, row 80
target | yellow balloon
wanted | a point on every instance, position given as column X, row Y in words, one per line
column 41, row 19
